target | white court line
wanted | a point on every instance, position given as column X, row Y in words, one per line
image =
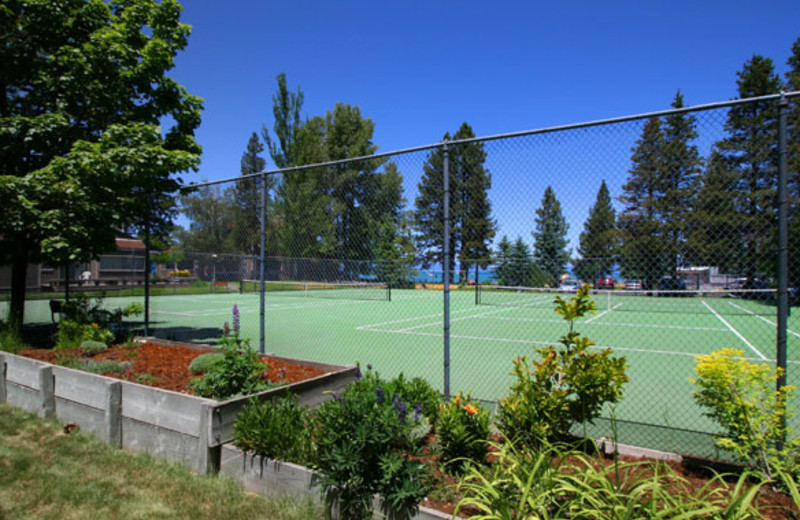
column 270, row 306
column 632, row 325
column 720, row 318
column 548, row 343
column 617, row 306
column 762, row 318
column 416, row 318
column 471, row 316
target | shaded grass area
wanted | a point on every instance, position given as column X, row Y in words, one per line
column 46, row 473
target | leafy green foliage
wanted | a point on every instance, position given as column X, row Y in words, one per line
column 90, row 347
column 202, row 363
column 239, row 372
column 363, row 442
column 568, row 385
column 463, row 430
column 10, row 339
column 279, row 429
column 86, row 309
column 72, row 174
column 71, row 334
column 740, row 397
column 556, row 483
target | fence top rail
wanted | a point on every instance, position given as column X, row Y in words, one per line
column 496, row 137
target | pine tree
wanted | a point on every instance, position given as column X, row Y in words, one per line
column 793, row 84
column 714, row 237
column 599, row 242
column 521, row 265
column 679, row 180
column 550, row 238
column 502, row 261
column 247, row 199
column 750, row 151
column 642, row 252
column 472, row 204
column 471, row 225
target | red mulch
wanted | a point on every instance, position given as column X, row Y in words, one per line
column 169, row 365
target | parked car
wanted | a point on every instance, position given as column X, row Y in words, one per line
column 756, row 289
column 669, row 284
column 605, row 283
column 569, row 286
column 633, row 284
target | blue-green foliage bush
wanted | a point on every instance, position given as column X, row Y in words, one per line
column 239, row 372
column 90, row 347
column 202, row 363
column 365, row 445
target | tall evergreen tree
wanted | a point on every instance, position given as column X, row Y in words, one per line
column 793, row 84
column 599, row 241
column 550, row 238
column 501, row 258
column 473, row 207
column 429, row 212
column 286, row 107
column 247, row 199
column 472, row 226
column 642, row 254
column 679, row 180
column 714, row 237
column 750, row 151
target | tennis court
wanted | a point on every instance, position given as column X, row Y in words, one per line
column 403, row 332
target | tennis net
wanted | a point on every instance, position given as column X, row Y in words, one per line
column 757, row 302
column 331, row 290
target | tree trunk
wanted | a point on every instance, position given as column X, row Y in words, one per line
column 19, row 271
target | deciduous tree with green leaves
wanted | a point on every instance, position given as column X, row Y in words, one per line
column 84, row 88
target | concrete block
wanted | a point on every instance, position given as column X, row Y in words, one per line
column 47, row 394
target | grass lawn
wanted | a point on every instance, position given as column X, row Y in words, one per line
column 45, row 474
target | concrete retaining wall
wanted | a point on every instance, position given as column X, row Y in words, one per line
column 167, row 424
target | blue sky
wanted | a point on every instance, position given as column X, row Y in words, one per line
column 419, row 69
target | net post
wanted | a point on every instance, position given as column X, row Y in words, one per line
column 783, row 248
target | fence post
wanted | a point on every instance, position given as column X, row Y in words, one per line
column 262, row 265
column 783, row 247
column 3, row 396
column 113, row 418
column 446, row 270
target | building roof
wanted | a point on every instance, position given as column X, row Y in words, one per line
column 129, row 244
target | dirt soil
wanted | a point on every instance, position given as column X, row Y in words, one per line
column 167, row 367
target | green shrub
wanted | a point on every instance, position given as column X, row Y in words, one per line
column 568, row 385
column 363, row 448
column 91, row 347
column 741, row 398
column 85, row 309
column 463, row 430
column 10, row 339
column 278, row 429
column 419, row 393
column 71, row 334
column 203, row 362
column 239, row 372
column 100, row 366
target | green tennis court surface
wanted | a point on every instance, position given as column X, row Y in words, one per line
column 659, row 336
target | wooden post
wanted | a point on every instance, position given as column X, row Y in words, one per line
column 113, row 419
column 47, row 385
column 3, row 396
column 209, row 453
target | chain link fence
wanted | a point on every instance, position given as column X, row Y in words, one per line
column 443, row 261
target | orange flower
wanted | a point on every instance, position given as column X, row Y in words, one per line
column 470, row 409
column 94, row 325
column 458, row 400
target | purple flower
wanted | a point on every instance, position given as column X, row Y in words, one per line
column 359, row 375
column 380, row 395
column 337, row 397
column 236, row 321
column 400, row 407
column 417, row 411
